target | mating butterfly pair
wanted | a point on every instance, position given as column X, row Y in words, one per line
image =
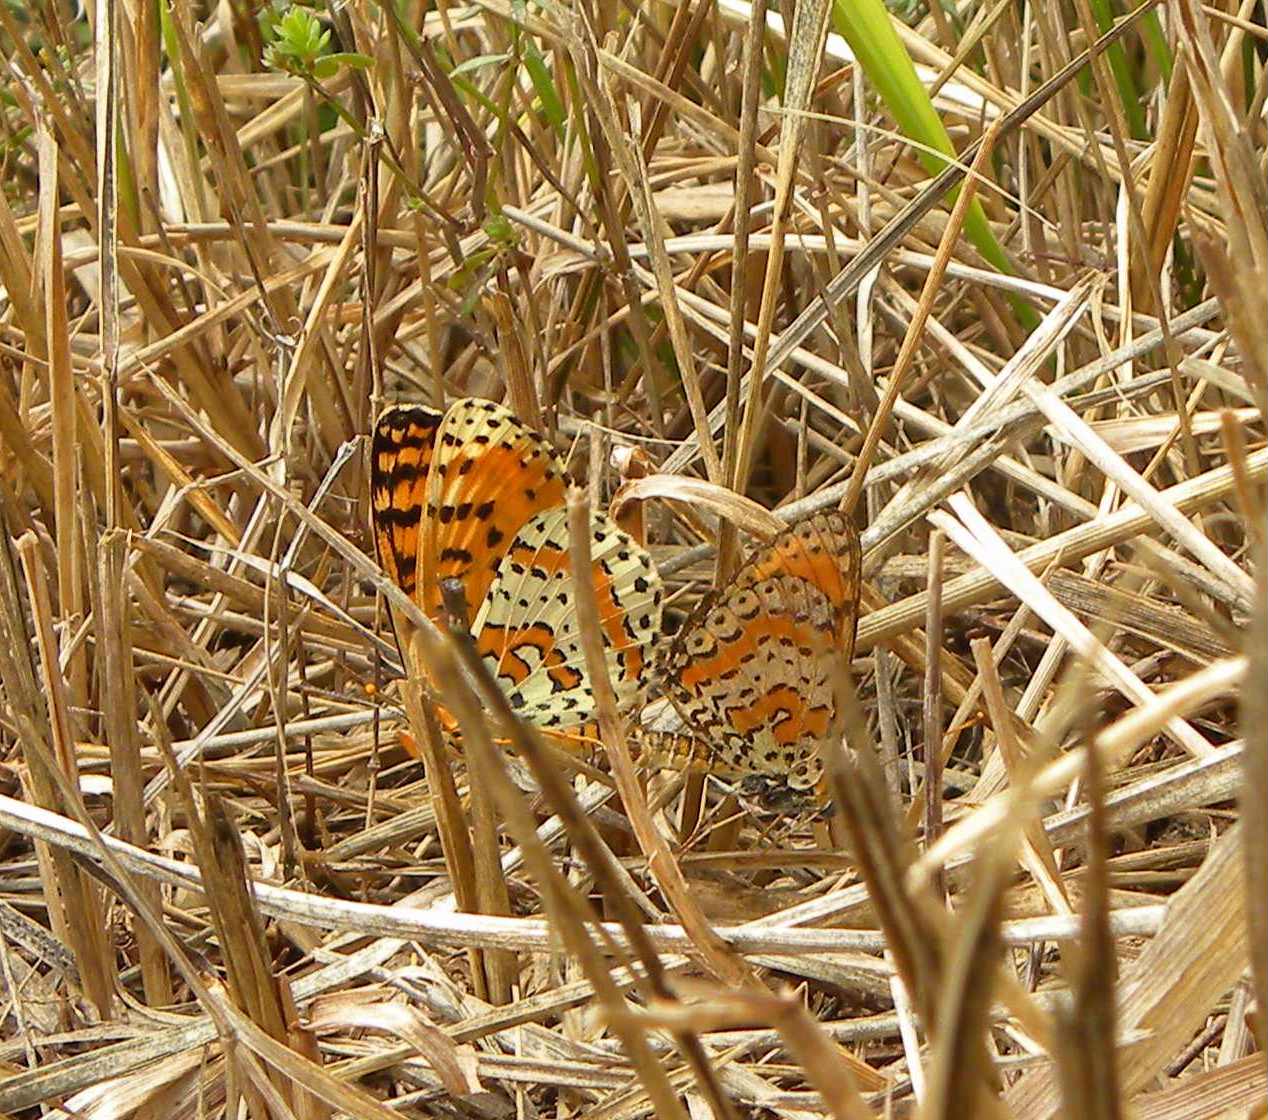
column 473, row 494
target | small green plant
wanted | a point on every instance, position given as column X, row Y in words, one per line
column 478, row 266
column 299, row 46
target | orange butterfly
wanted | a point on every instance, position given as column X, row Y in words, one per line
column 473, row 494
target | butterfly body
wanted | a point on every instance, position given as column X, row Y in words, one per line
column 474, row 496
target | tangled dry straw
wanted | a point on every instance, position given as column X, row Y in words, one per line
column 691, row 244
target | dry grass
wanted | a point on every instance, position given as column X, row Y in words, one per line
column 701, row 257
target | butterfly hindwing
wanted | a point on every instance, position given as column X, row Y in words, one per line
column 752, row 669
column 823, row 553
column 527, row 630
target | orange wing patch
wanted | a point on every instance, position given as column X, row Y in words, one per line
column 490, row 474
column 751, row 672
column 823, row 551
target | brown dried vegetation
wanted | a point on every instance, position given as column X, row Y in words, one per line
column 702, row 258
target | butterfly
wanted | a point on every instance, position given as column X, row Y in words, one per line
column 475, row 495
column 752, row 670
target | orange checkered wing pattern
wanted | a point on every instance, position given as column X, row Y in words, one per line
column 527, row 630
column 490, row 474
column 476, row 495
column 752, row 670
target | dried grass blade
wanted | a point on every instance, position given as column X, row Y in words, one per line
column 454, row 1065
column 85, row 929
column 661, row 862
column 305, row 361
column 61, row 396
column 1254, row 793
column 1171, row 172
column 1115, row 742
column 1087, row 1057
column 633, row 168
column 24, row 705
column 1169, row 990
column 835, row 1074
column 1074, row 429
column 751, row 91
column 728, row 506
column 976, row 537
column 908, row 914
column 451, row 823
column 492, row 893
column 805, row 47
column 118, row 690
column 1038, row 855
column 571, row 914
column 172, row 467
column 912, row 338
column 106, row 57
column 1071, row 545
column 962, row 1080
column 293, row 1069
column 238, row 923
column 1240, row 275
column 846, row 282
column 1233, row 1090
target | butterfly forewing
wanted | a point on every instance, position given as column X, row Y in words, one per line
column 490, row 475
column 475, row 495
column 400, row 458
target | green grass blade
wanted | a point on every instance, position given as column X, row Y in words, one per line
column 865, row 25
column 1120, row 68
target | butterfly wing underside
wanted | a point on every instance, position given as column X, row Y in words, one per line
column 528, row 633
column 474, row 494
column 752, row 670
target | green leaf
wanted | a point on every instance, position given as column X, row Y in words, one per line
column 1133, row 109
column 544, row 84
column 499, row 229
column 352, row 60
column 866, row 26
column 478, row 63
column 299, row 42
